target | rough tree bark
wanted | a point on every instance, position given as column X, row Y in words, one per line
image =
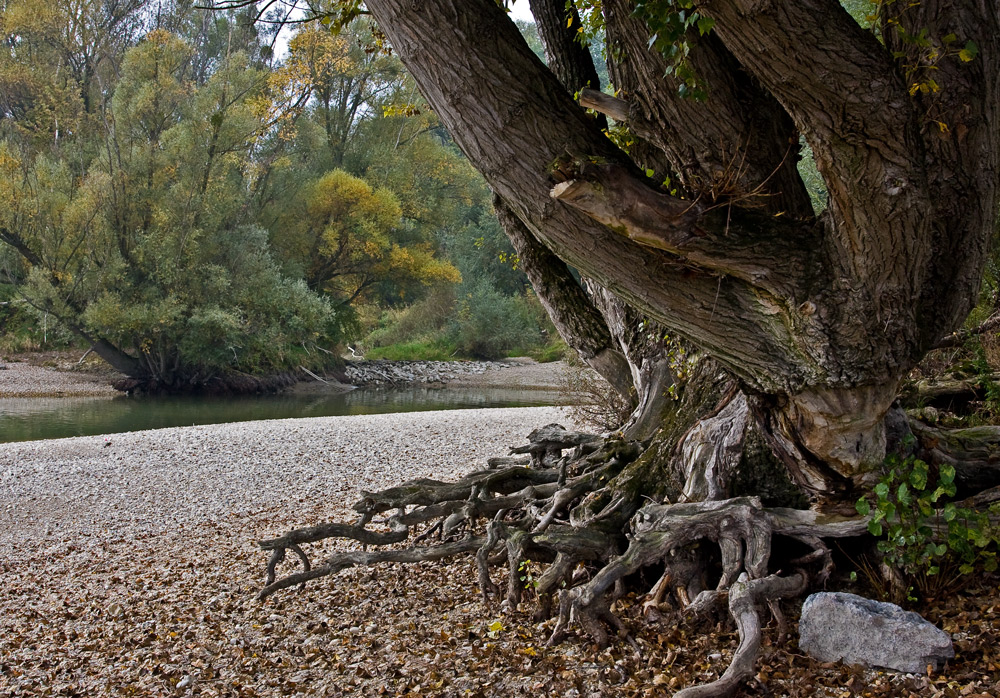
column 807, row 323
column 617, row 346
column 828, row 314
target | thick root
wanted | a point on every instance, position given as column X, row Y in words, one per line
column 566, row 514
column 529, row 508
column 745, row 595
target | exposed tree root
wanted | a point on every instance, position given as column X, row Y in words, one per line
column 587, row 519
column 744, row 597
column 570, row 513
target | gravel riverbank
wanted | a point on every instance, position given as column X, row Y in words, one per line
column 148, row 482
column 129, row 561
column 22, row 379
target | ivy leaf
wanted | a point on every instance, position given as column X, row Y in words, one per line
column 970, row 51
column 705, row 25
column 881, row 490
column 947, row 474
column 863, row 507
column 875, row 527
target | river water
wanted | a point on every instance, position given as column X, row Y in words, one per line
column 28, row 419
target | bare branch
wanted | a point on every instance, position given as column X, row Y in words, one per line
column 618, row 109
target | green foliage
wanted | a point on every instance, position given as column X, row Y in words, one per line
column 478, row 322
column 490, row 325
column 553, row 350
column 345, row 235
column 136, row 203
column 367, row 184
column 481, row 251
column 149, row 246
column 526, row 574
column 672, row 24
column 435, row 350
column 933, row 542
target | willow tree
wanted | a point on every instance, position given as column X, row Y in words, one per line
column 695, row 216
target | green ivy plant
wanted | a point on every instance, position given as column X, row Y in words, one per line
column 937, row 546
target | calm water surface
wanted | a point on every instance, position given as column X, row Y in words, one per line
column 27, row 419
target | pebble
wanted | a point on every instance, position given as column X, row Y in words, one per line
column 22, row 380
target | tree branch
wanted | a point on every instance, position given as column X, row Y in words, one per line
column 17, row 242
column 724, row 241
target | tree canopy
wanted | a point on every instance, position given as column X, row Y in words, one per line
column 196, row 208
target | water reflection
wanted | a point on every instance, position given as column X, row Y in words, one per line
column 28, row 419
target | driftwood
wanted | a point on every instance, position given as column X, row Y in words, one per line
column 548, row 443
column 310, row 373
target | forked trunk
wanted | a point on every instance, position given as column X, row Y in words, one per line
column 826, row 315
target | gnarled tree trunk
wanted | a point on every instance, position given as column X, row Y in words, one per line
column 827, row 313
column 806, row 324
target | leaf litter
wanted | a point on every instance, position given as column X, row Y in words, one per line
column 104, row 610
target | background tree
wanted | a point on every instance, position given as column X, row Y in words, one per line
column 152, row 253
column 367, row 121
column 343, row 233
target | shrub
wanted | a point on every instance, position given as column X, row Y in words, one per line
column 489, row 324
column 936, row 548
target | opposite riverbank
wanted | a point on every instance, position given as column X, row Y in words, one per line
column 60, row 374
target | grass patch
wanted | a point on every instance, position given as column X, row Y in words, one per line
column 554, row 350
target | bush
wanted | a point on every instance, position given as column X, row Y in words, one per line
column 937, row 548
column 422, row 322
column 414, row 351
column 483, row 324
column 489, row 325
